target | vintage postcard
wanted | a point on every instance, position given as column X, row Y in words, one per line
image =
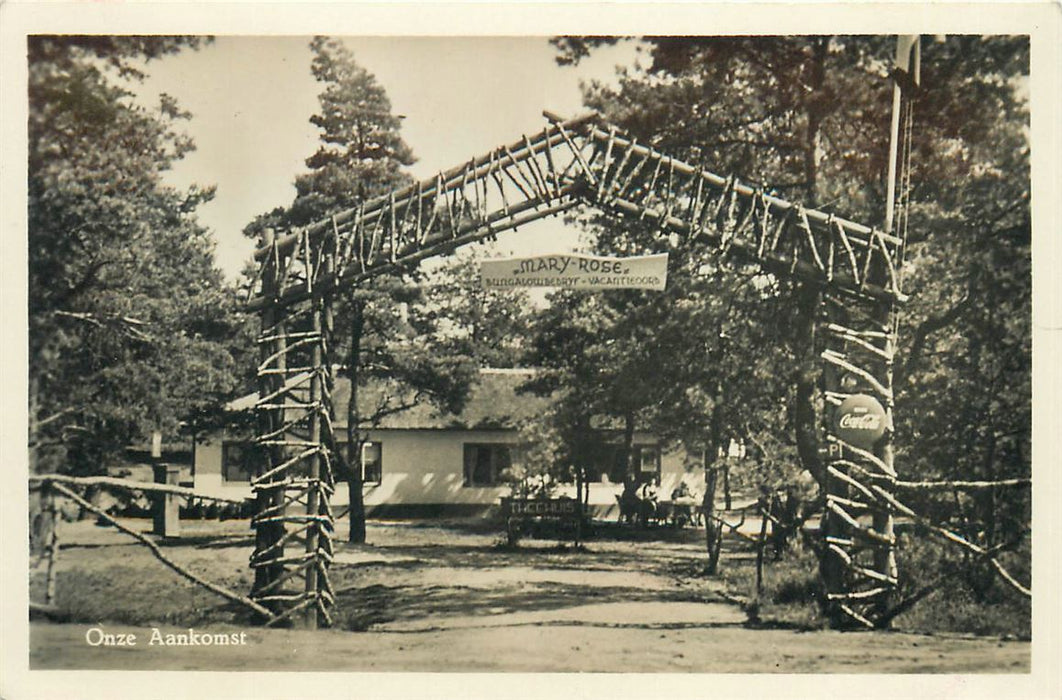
column 621, row 349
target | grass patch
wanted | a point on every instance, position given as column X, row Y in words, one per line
column 968, row 597
column 791, row 590
column 141, row 596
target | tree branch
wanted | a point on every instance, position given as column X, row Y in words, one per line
column 220, row 590
column 128, row 324
column 84, row 283
column 383, row 410
column 54, row 417
column 129, row 485
column 931, row 325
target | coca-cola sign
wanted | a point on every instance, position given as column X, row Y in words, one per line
column 868, row 421
column 860, row 421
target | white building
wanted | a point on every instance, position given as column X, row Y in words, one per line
column 421, row 462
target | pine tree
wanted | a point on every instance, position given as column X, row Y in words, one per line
column 385, row 332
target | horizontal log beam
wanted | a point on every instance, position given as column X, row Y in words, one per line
column 663, row 196
column 425, row 189
column 774, row 263
column 439, row 243
column 814, row 216
column 128, row 485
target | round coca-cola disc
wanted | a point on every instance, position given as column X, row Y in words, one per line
column 860, row 421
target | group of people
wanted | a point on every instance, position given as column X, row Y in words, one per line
column 639, row 502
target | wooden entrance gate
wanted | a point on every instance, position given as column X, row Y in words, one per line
column 853, row 270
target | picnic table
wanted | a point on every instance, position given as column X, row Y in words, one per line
column 677, row 512
column 680, row 511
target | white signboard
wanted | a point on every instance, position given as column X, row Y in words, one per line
column 576, row 272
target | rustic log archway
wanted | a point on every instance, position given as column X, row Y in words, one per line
column 853, row 269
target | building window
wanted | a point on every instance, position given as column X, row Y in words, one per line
column 648, row 460
column 371, row 462
column 485, row 463
column 237, row 461
column 607, row 462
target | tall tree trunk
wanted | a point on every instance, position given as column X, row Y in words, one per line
column 727, row 501
column 628, row 445
column 991, row 497
column 761, row 542
column 817, row 106
column 805, row 412
column 354, row 442
column 41, row 512
column 809, row 302
column 713, row 530
column 809, row 299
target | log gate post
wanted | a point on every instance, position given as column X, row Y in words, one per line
column 293, row 482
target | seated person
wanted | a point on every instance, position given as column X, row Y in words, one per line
column 628, row 501
column 648, row 506
column 682, row 491
column 685, row 502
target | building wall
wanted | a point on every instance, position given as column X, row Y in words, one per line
column 427, row 466
column 206, row 462
column 419, row 467
column 424, row 468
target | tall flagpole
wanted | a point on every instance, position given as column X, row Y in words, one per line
column 908, row 62
column 905, row 76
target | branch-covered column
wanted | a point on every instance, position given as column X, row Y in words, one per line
column 293, row 484
column 859, row 565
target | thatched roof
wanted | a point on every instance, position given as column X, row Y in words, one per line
column 493, row 403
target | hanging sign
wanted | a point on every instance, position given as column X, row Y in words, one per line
column 576, row 272
column 860, row 421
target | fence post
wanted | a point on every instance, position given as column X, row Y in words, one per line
column 167, row 514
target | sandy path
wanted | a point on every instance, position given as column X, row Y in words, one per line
column 437, row 599
column 646, row 614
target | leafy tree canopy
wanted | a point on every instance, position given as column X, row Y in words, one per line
column 129, row 320
column 808, row 118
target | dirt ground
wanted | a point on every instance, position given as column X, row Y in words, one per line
column 447, row 597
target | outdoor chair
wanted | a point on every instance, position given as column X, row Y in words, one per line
column 648, row 512
column 628, row 509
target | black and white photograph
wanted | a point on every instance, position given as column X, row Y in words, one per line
column 693, row 356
